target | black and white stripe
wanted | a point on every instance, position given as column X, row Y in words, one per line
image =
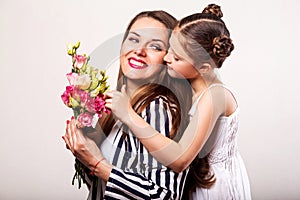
column 137, row 175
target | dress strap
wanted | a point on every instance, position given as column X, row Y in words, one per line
column 208, row 88
column 195, row 103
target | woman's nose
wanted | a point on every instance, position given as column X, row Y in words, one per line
column 141, row 51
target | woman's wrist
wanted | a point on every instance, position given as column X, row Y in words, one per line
column 102, row 169
column 95, row 166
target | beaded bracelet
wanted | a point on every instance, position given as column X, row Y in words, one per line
column 94, row 168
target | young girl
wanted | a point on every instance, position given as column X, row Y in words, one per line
column 199, row 44
column 134, row 173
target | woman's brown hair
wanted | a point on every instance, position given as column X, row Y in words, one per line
column 177, row 93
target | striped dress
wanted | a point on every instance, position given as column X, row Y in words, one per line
column 136, row 174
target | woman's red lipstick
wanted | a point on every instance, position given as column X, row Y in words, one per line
column 137, row 63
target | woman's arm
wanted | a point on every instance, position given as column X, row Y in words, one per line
column 177, row 156
column 134, row 186
column 122, row 183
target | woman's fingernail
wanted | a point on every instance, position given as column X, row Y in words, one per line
column 63, row 137
column 68, row 122
column 72, row 117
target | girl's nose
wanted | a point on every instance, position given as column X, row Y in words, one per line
column 167, row 58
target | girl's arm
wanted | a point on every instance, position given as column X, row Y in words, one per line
column 177, row 156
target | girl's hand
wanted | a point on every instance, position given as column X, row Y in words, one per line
column 82, row 147
column 119, row 104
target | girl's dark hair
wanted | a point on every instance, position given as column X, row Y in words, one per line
column 177, row 93
column 205, row 37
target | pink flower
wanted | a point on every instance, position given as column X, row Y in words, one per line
column 72, row 78
column 79, row 61
column 80, row 96
column 84, row 119
column 100, row 106
column 90, row 105
column 67, row 94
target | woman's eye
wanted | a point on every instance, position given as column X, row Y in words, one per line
column 132, row 39
column 156, row 47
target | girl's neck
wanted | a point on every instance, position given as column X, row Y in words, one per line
column 200, row 83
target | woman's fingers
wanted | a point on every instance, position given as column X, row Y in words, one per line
column 67, row 142
column 73, row 129
column 68, row 135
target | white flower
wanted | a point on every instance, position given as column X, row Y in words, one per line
column 83, row 81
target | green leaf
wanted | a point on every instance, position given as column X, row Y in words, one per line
column 74, row 103
column 76, row 46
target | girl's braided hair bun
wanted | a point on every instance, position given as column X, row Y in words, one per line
column 222, row 46
column 213, row 9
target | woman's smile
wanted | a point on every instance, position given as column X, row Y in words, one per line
column 137, row 63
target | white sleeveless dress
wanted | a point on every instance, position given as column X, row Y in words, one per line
column 225, row 161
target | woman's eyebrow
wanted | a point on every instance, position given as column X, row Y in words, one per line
column 154, row 39
column 159, row 40
column 132, row 32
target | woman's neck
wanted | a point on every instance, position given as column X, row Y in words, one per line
column 133, row 85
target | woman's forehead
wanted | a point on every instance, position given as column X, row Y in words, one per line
column 147, row 22
column 148, row 27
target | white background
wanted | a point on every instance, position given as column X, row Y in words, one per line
column 262, row 71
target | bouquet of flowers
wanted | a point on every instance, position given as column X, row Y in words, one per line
column 84, row 96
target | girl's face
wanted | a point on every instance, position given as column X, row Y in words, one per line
column 143, row 50
column 180, row 65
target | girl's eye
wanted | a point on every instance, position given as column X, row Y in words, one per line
column 170, row 51
column 175, row 58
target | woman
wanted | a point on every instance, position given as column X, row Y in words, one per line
column 199, row 44
column 134, row 174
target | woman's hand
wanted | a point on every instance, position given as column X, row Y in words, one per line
column 82, row 147
column 86, row 151
column 119, row 104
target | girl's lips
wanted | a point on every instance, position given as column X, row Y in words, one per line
column 169, row 68
column 137, row 63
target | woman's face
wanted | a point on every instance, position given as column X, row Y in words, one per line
column 143, row 50
column 178, row 62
